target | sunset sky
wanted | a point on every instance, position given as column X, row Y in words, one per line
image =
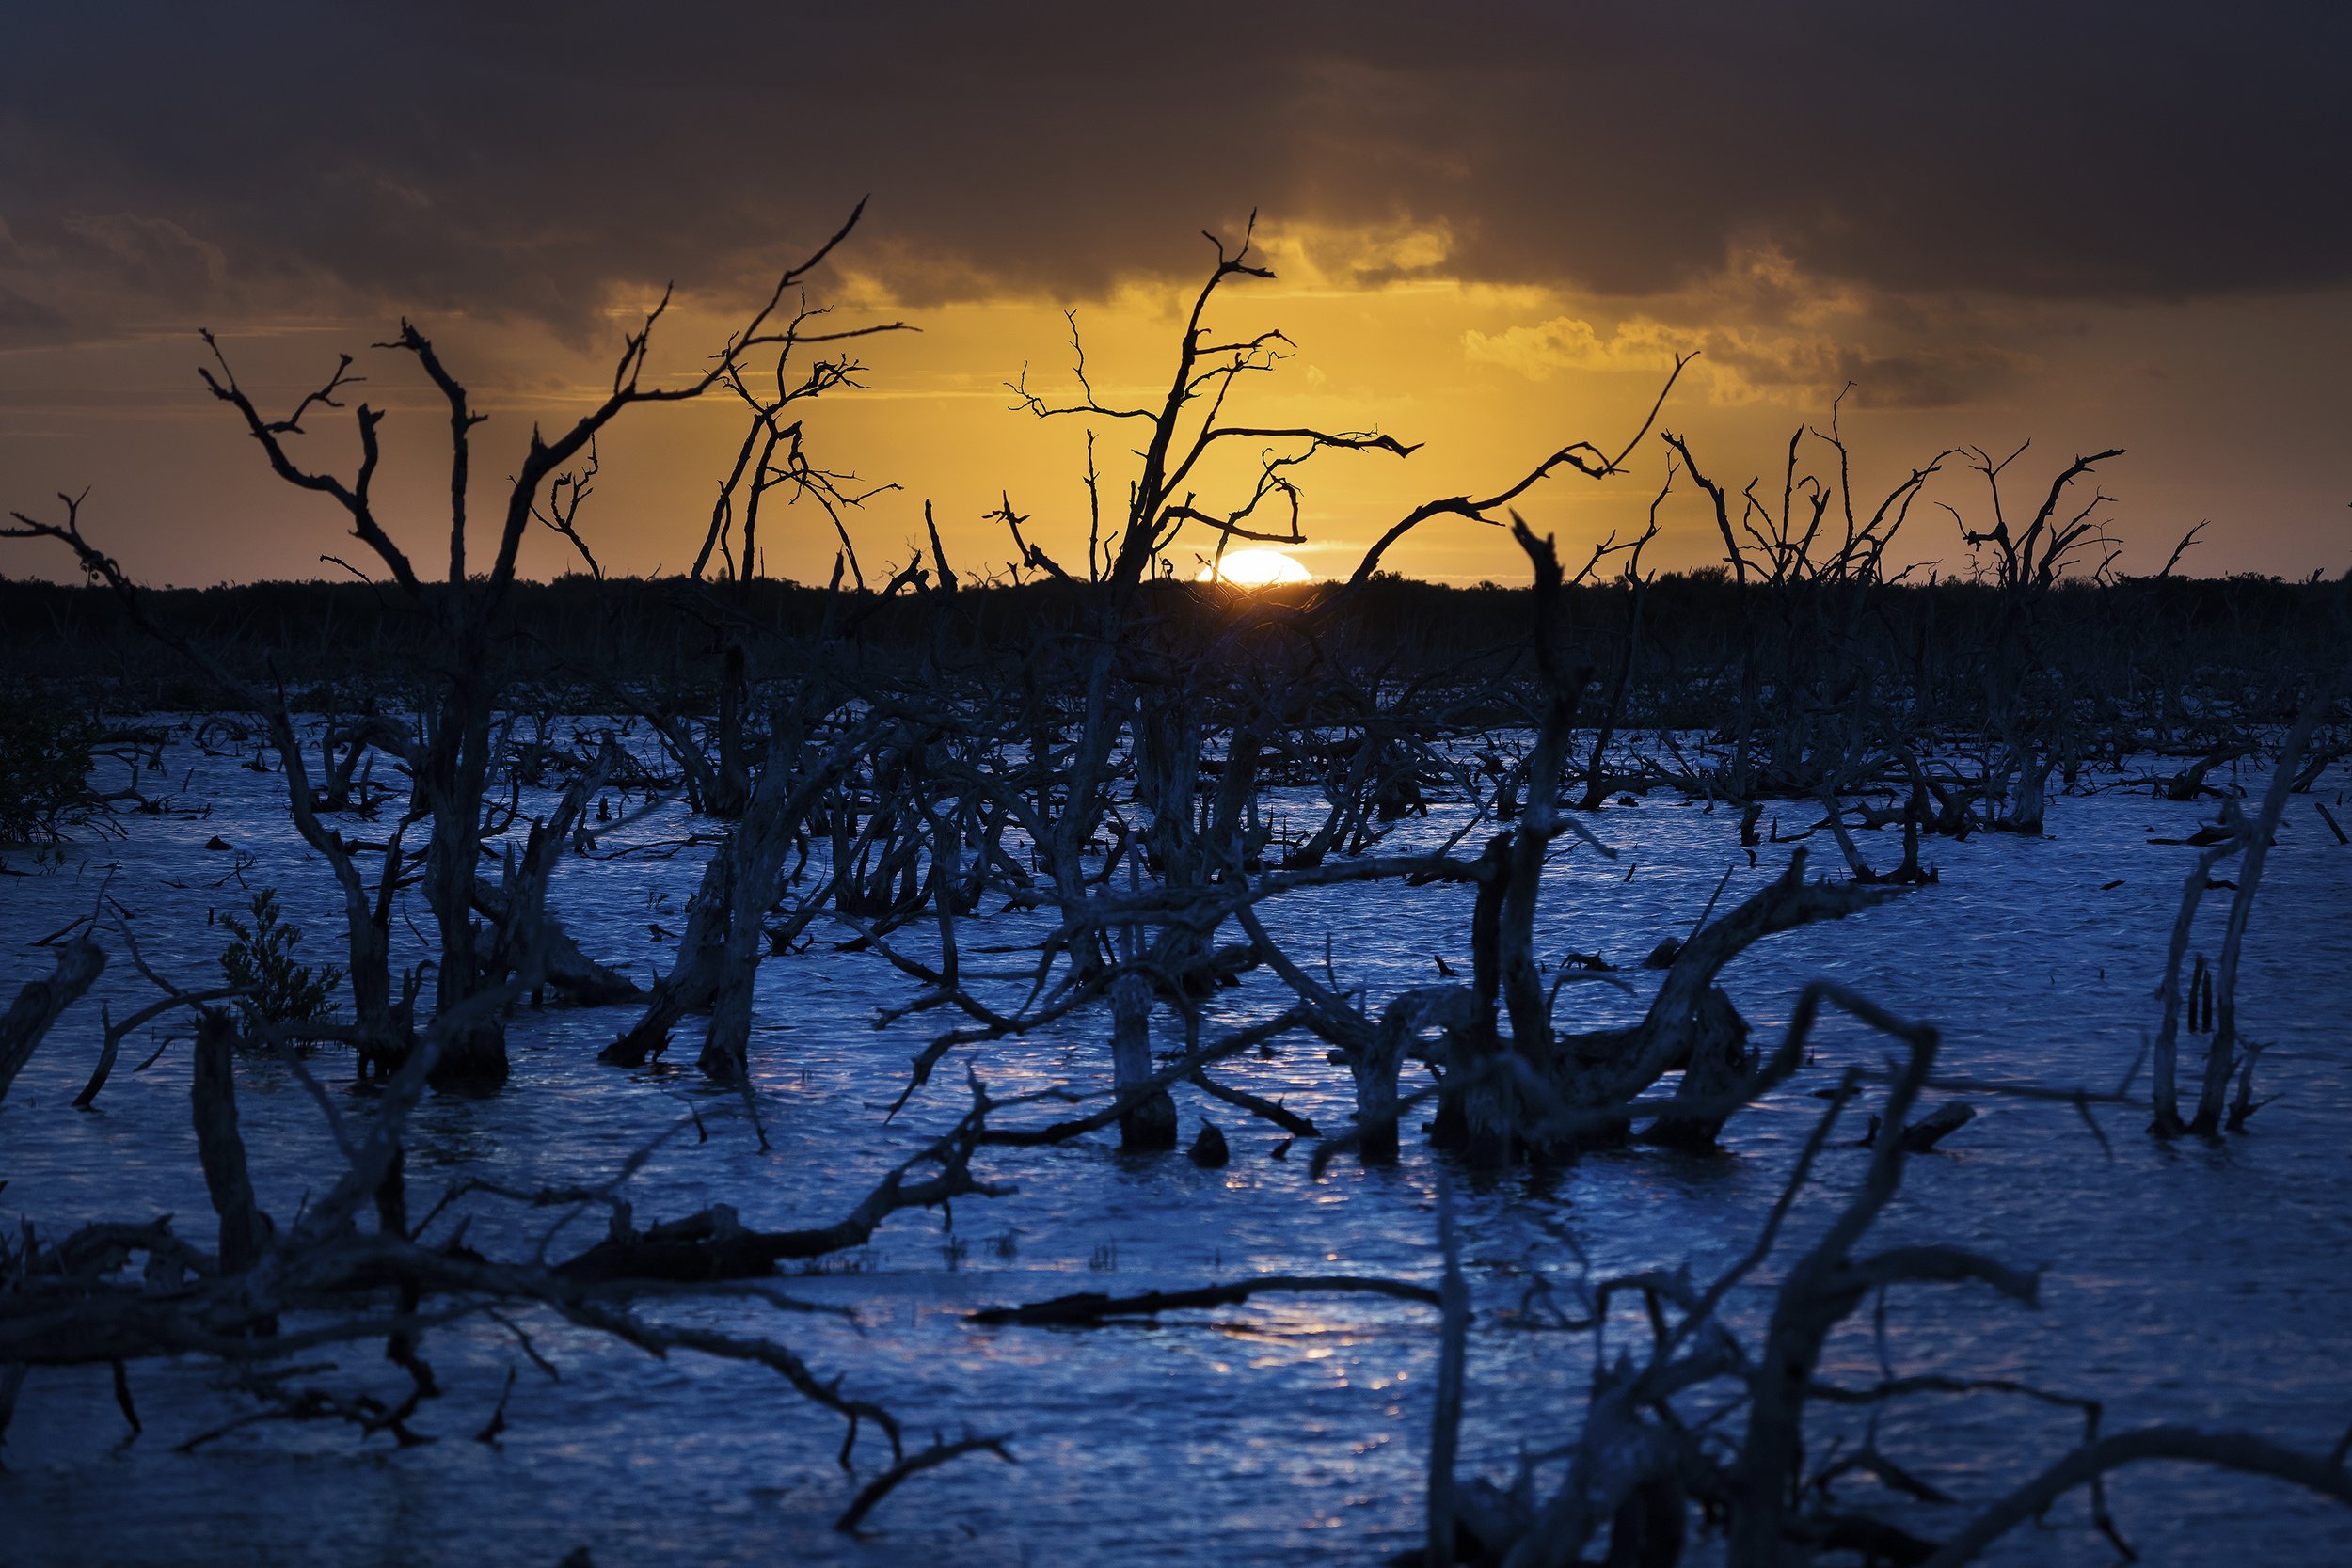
column 2090, row 225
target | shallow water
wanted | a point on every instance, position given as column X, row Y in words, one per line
column 2197, row 1282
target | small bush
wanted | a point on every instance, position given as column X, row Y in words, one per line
column 262, row 960
column 44, row 769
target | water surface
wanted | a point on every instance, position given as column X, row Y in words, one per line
column 2195, row 1281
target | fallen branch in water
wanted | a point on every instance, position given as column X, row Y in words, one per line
column 1090, row 1308
column 937, row 1454
column 2243, row 1451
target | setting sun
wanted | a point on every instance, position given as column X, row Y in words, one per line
column 1254, row 569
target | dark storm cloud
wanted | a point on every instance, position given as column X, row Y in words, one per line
column 156, row 159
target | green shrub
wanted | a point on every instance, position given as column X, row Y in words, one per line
column 44, row 769
column 262, row 960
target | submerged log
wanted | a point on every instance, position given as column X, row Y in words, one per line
column 1937, row 1125
column 713, row 1244
column 2189, row 782
column 1929, row 1131
column 1257, row 1105
column 1478, row 1113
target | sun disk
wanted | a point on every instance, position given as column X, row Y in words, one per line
column 1254, row 569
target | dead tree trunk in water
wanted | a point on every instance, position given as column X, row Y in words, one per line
column 2165, row 1093
column 1480, row 1111
column 757, row 852
column 781, row 802
column 1150, row 1125
column 38, row 1004
column 1692, row 1024
column 1714, row 1061
column 1374, row 1065
column 2223, row 1058
column 1477, row 1112
column 244, row 1229
column 692, row 976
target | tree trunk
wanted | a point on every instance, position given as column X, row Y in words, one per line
column 693, row 975
column 733, row 782
column 2033, row 786
column 1376, row 1064
column 456, row 767
column 1150, row 1126
column 1375, row 1068
column 1475, row 1104
column 1717, row 1061
column 244, row 1229
column 39, row 1004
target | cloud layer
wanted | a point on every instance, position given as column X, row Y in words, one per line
column 159, row 158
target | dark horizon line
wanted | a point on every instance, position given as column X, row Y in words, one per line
column 2318, row 576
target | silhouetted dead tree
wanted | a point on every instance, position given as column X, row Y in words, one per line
column 1635, row 588
column 1146, row 708
column 1496, row 1081
column 451, row 752
column 2228, row 1053
column 1810, row 696
column 2024, row 701
column 774, row 454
